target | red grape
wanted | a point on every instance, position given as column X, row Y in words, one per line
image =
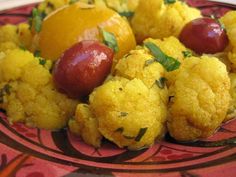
column 204, row 35
column 82, row 67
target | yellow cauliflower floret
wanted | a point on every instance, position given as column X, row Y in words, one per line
column 130, row 114
column 156, row 19
column 230, row 25
column 141, row 65
column 201, row 98
column 85, row 125
column 14, row 36
column 232, row 107
column 29, row 95
column 172, row 47
column 4, row 46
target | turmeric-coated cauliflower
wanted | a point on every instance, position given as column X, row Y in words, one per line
column 28, row 94
column 201, row 98
column 15, row 36
column 157, row 19
column 128, row 112
column 230, row 25
column 86, row 125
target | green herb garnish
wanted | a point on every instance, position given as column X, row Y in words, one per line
column 169, row 1
column 169, row 63
column 37, row 19
column 37, row 53
column 161, row 82
column 187, row 53
column 123, row 114
column 110, row 40
column 127, row 14
column 120, row 130
column 149, row 62
column 5, row 90
column 141, row 133
column 73, row 1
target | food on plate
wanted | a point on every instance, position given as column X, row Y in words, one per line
column 28, row 94
column 161, row 18
column 86, row 125
column 13, row 36
column 199, row 98
column 131, row 114
column 230, row 25
column 204, row 35
column 58, row 31
column 82, row 67
column 76, row 65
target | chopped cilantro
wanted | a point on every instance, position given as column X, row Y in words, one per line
column 73, row 1
column 161, row 82
column 149, row 62
column 37, row 19
column 37, row 53
column 169, row 1
column 110, row 40
column 42, row 61
column 120, row 130
column 141, row 133
column 187, row 53
column 3, row 91
column 167, row 62
column 123, row 114
column 126, row 14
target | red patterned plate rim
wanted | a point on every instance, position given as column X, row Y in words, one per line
column 28, row 152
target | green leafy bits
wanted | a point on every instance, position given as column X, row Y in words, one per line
column 120, row 130
column 110, row 40
column 141, row 133
column 123, row 114
column 169, row 1
column 37, row 19
column 169, row 63
column 73, row 1
column 6, row 90
column 127, row 14
column 149, row 62
column 187, row 53
column 161, row 82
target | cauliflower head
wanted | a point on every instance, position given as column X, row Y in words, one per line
column 128, row 112
column 28, row 94
column 230, row 25
column 86, row 125
column 201, row 98
column 162, row 20
column 15, row 36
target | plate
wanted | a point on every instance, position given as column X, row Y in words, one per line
column 28, row 152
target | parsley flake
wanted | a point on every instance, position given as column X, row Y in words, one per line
column 169, row 63
column 141, row 133
column 110, row 40
column 3, row 91
column 126, row 14
column 37, row 19
column 73, row 1
column 161, row 82
column 149, row 62
column 169, row 1
column 120, row 130
column 123, row 114
column 187, row 53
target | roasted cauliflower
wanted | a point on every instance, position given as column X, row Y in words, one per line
column 15, row 36
column 230, row 25
column 28, row 94
column 156, row 19
column 200, row 100
column 130, row 116
column 86, row 125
